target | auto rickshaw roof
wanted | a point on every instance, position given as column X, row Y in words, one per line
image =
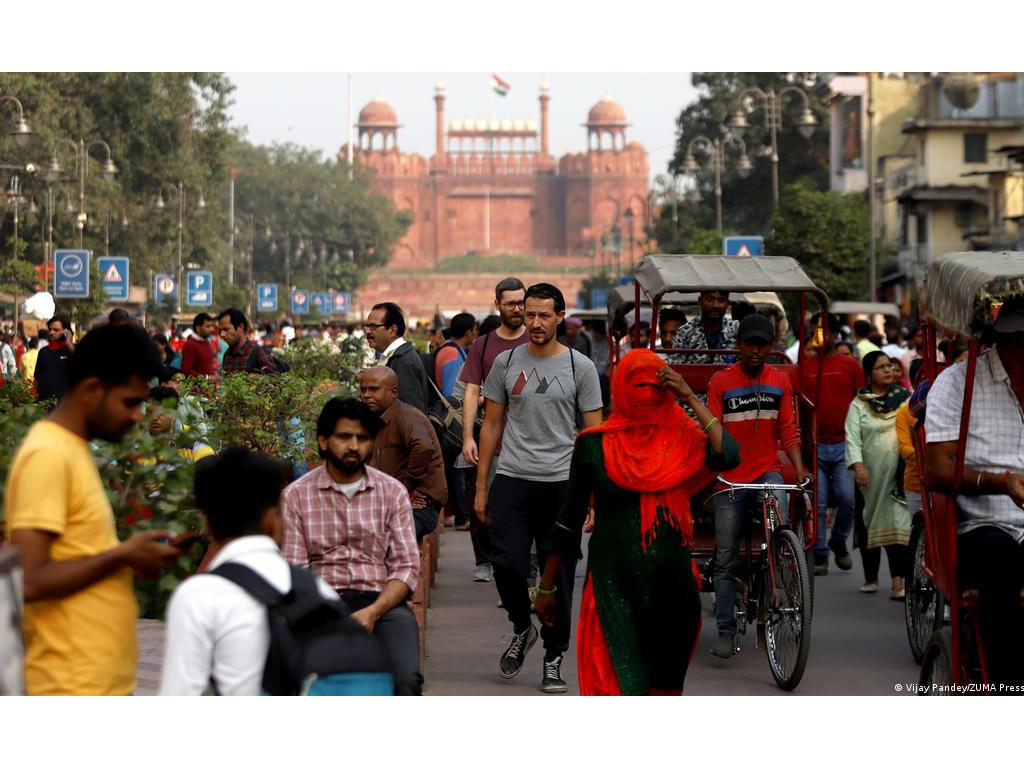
column 963, row 289
column 660, row 274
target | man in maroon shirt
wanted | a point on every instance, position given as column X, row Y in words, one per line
column 841, row 377
column 510, row 301
column 197, row 355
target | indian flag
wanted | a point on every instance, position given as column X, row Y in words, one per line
column 500, row 86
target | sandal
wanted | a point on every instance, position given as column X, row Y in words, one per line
column 900, row 593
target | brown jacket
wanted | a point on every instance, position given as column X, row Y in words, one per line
column 408, row 450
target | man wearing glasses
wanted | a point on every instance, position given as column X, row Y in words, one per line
column 385, row 332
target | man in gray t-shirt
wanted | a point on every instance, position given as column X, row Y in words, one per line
column 542, row 387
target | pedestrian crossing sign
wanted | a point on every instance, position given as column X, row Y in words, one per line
column 114, row 272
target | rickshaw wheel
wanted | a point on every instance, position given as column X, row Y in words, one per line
column 937, row 667
column 924, row 605
column 787, row 626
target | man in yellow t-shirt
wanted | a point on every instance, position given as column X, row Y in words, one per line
column 27, row 365
column 80, row 609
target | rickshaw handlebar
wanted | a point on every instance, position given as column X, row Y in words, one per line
column 801, row 488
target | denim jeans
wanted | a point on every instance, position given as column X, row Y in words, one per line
column 835, row 484
column 732, row 516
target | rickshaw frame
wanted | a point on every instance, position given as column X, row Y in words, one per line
column 962, row 296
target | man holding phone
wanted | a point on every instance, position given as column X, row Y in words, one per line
column 52, row 359
column 80, row 608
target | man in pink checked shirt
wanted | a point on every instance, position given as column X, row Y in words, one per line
column 352, row 525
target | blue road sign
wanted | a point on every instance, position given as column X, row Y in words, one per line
column 341, row 301
column 743, row 246
column 71, row 279
column 200, row 289
column 598, row 298
column 266, row 297
column 165, row 289
column 300, row 301
column 115, row 277
column 320, row 302
column 625, row 280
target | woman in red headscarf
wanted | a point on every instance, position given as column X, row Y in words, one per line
column 640, row 615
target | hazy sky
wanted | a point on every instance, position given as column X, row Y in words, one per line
column 310, row 109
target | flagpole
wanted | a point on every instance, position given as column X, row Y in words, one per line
column 490, row 170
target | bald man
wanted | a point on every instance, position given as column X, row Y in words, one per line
column 407, row 448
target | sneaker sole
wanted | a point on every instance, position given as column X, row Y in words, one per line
column 554, row 688
column 506, row 676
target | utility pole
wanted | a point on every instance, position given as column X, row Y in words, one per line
column 231, row 228
column 872, row 256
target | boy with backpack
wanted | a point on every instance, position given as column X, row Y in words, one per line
column 254, row 624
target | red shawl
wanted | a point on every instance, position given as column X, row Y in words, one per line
column 652, row 446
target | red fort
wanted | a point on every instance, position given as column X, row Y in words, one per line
column 493, row 187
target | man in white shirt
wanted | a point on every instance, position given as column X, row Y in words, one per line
column 216, row 631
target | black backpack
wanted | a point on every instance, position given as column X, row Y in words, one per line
column 316, row 647
column 430, row 367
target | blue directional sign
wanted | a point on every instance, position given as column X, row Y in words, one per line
column 320, row 302
column 266, row 297
column 743, row 245
column 598, row 298
column 165, row 289
column 115, row 277
column 341, row 302
column 199, row 289
column 71, row 279
column 300, row 301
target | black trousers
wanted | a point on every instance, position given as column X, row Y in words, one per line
column 897, row 554
column 479, row 533
column 993, row 563
column 426, row 519
column 398, row 632
column 522, row 513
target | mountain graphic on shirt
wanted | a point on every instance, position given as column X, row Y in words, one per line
column 543, row 385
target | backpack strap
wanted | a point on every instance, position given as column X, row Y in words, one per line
column 575, row 386
column 249, row 580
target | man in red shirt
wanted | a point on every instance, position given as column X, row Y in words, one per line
column 197, row 358
column 841, row 377
column 755, row 405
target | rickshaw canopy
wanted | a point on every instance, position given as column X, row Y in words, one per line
column 865, row 308
column 661, row 274
column 963, row 289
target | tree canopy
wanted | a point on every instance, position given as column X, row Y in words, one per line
column 171, row 131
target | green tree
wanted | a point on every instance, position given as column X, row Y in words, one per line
column 747, row 203
column 828, row 233
column 336, row 229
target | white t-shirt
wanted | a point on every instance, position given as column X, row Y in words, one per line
column 217, row 629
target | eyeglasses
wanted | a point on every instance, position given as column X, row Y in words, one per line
column 513, row 304
column 372, row 326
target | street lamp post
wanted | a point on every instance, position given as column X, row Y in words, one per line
column 81, row 150
column 21, row 131
column 806, row 123
column 179, row 194
column 716, row 149
column 52, row 199
column 617, row 243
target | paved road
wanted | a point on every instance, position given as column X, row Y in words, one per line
column 858, row 645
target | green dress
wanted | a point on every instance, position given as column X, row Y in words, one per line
column 871, row 439
column 648, row 601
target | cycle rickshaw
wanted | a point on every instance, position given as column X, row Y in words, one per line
column 963, row 294
column 774, row 581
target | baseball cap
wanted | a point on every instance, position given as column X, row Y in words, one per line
column 756, row 327
column 1011, row 318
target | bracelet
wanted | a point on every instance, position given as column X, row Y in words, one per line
column 710, row 425
column 542, row 591
column 977, row 483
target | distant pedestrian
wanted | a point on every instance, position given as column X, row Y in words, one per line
column 244, row 355
column 385, row 332
column 710, row 330
column 8, row 361
column 542, row 388
column 575, row 337
column 197, row 356
column 669, row 322
column 51, row 363
column 27, row 364
column 862, row 331
column 450, row 356
column 119, row 316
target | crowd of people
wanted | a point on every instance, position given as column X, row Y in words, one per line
column 508, row 429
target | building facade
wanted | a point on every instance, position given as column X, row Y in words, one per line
column 492, row 186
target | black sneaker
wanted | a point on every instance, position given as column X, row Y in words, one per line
column 725, row 646
column 843, row 559
column 511, row 660
column 552, row 681
column 821, row 565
